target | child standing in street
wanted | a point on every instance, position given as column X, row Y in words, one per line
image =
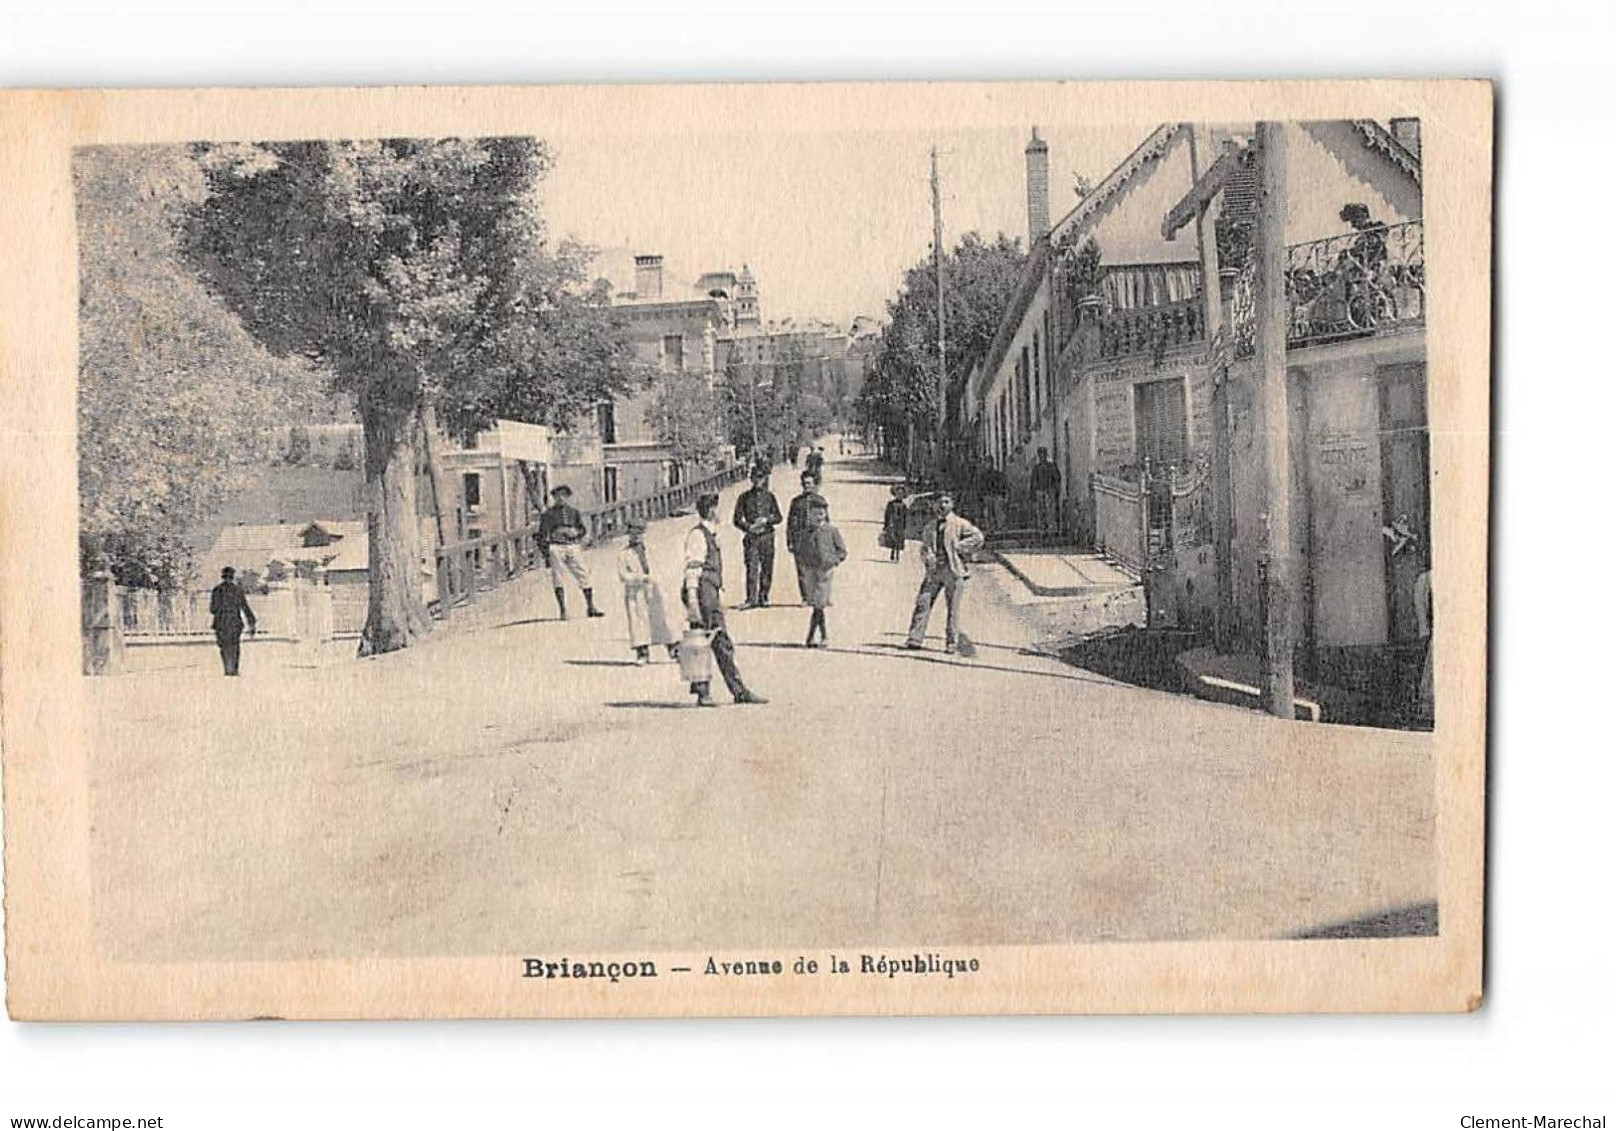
column 642, row 598
column 822, row 551
column 895, row 521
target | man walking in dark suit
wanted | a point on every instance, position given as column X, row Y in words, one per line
column 228, row 604
column 757, row 513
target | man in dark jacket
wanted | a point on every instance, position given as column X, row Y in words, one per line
column 1045, row 484
column 228, row 604
column 757, row 513
column 562, row 535
column 797, row 527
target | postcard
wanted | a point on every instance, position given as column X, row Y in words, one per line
column 880, row 548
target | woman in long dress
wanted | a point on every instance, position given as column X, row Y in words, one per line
column 642, row 597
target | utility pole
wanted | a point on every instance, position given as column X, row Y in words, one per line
column 1272, row 395
column 1206, row 247
column 937, row 265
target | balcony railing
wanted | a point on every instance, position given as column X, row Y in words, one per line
column 1152, row 329
column 1341, row 288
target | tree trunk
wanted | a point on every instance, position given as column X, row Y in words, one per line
column 434, row 470
column 397, row 616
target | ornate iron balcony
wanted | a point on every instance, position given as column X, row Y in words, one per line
column 1343, row 287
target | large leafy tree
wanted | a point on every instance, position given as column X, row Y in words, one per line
column 177, row 402
column 979, row 280
column 560, row 351
column 399, row 265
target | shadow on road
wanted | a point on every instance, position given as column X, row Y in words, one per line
column 1419, row 919
column 882, row 650
column 602, row 663
column 529, row 620
column 652, row 705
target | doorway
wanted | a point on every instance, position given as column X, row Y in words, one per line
column 1405, row 460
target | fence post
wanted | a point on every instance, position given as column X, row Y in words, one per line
column 101, row 625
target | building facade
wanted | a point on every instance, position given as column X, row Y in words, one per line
column 1106, row 358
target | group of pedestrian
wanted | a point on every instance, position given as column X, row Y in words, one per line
column 815, row 544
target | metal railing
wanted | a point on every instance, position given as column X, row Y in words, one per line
column 1347, row 286
column 1119, row 520
column 1340, row 288
column 1152, row 329
column 1141, row 521
column 467, row 567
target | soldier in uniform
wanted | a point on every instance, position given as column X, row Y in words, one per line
column 703, row 601
column 228, row 604
column 757, row 513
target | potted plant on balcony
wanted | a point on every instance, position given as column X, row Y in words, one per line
column 1082, row 268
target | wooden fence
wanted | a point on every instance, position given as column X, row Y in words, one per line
column 467, row 567
column 305, row 610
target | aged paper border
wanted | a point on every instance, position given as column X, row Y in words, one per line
column 53, row 970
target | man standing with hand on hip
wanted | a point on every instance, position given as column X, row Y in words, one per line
column 945, row 550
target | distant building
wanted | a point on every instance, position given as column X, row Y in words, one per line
column 826, row 360
column 674, row 329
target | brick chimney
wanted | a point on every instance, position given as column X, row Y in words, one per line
column 1037, row 189
column 1407, row 131
column 648, row 277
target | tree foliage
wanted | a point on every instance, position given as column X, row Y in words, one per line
column 980, row 278
column 788, row 396
column 562, row 350
column 178, row 404
column 687, row 414
column 401, row 265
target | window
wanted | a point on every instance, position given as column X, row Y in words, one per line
column 606, row 422
column 1049, row 354
column 474, row 490
column 1004, row 431
column 1026, row 396
column 608, row 484
column 676, row 473
column 1160, row 427
column 673, row 353
column 1037, row 377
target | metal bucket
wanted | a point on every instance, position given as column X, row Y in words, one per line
column 696, row 656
